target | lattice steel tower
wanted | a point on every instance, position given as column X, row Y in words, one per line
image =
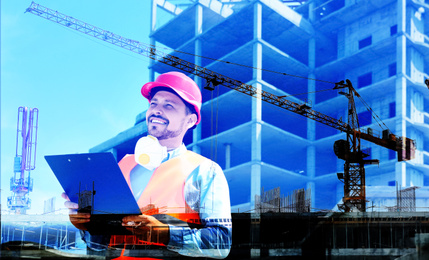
column 25, row 160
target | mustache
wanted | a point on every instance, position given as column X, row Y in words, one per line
column 159, row 117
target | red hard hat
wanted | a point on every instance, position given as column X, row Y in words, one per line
column 183, row 85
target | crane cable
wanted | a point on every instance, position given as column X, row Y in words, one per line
column 214, row 128
column 205, row 57
column 373, row 114
column 238, row 64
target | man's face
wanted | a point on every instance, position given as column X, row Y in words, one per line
column 167, row 117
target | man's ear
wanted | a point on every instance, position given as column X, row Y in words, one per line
column 192, row 120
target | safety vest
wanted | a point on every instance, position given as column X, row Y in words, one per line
column 164, row 193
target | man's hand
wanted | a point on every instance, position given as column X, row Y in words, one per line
column 147, row 228
column 77, row 219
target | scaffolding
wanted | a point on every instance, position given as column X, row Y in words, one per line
column 272, row 201
column 405, row 200
column 44, row 235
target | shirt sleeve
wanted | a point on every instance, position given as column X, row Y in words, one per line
column 207, row 192
column 95, row 242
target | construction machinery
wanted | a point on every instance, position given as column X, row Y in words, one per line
column 25, row 160
column 348, row 150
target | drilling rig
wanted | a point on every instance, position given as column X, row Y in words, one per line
column 25, row 160
column 348, row 150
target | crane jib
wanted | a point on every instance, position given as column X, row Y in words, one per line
column 354, row 172
column 400, row 144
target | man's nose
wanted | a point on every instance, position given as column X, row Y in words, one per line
column 157, row 110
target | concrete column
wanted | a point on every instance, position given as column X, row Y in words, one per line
column 8, row 235
column 311, row 172
column 46, row 237
column 311, row 124
column 61, row 238
column 23, row 233
column 256, row 153
column 227, row 156
column 152, row 41
column 66, row 238
column 255, row 178
column 153, row 16
column 151, row 63
column 257, row 47
column 40, row 237
column 199, row 20
column 196, row 134
column 401, row 85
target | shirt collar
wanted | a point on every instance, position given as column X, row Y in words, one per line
column 176, row 152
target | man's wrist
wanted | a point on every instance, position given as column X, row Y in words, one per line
column 158, row 235
column 164, row 234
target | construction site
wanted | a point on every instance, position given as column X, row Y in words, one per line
column 317, row 111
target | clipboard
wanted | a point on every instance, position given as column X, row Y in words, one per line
column 103, row 189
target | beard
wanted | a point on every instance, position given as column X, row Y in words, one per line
column 162, row 132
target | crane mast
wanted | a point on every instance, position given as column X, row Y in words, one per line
column 350, row 151
column 25, row 160
column 354, row 178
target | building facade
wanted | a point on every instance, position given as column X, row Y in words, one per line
column 299, row 49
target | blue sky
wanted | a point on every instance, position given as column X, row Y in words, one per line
column 87, row 91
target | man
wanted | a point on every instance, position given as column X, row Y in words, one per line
column 173, row 184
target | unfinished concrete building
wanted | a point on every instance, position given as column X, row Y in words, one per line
column 299, row 49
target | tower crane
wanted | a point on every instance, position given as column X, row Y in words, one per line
column 348, row 150
column 25, row 160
